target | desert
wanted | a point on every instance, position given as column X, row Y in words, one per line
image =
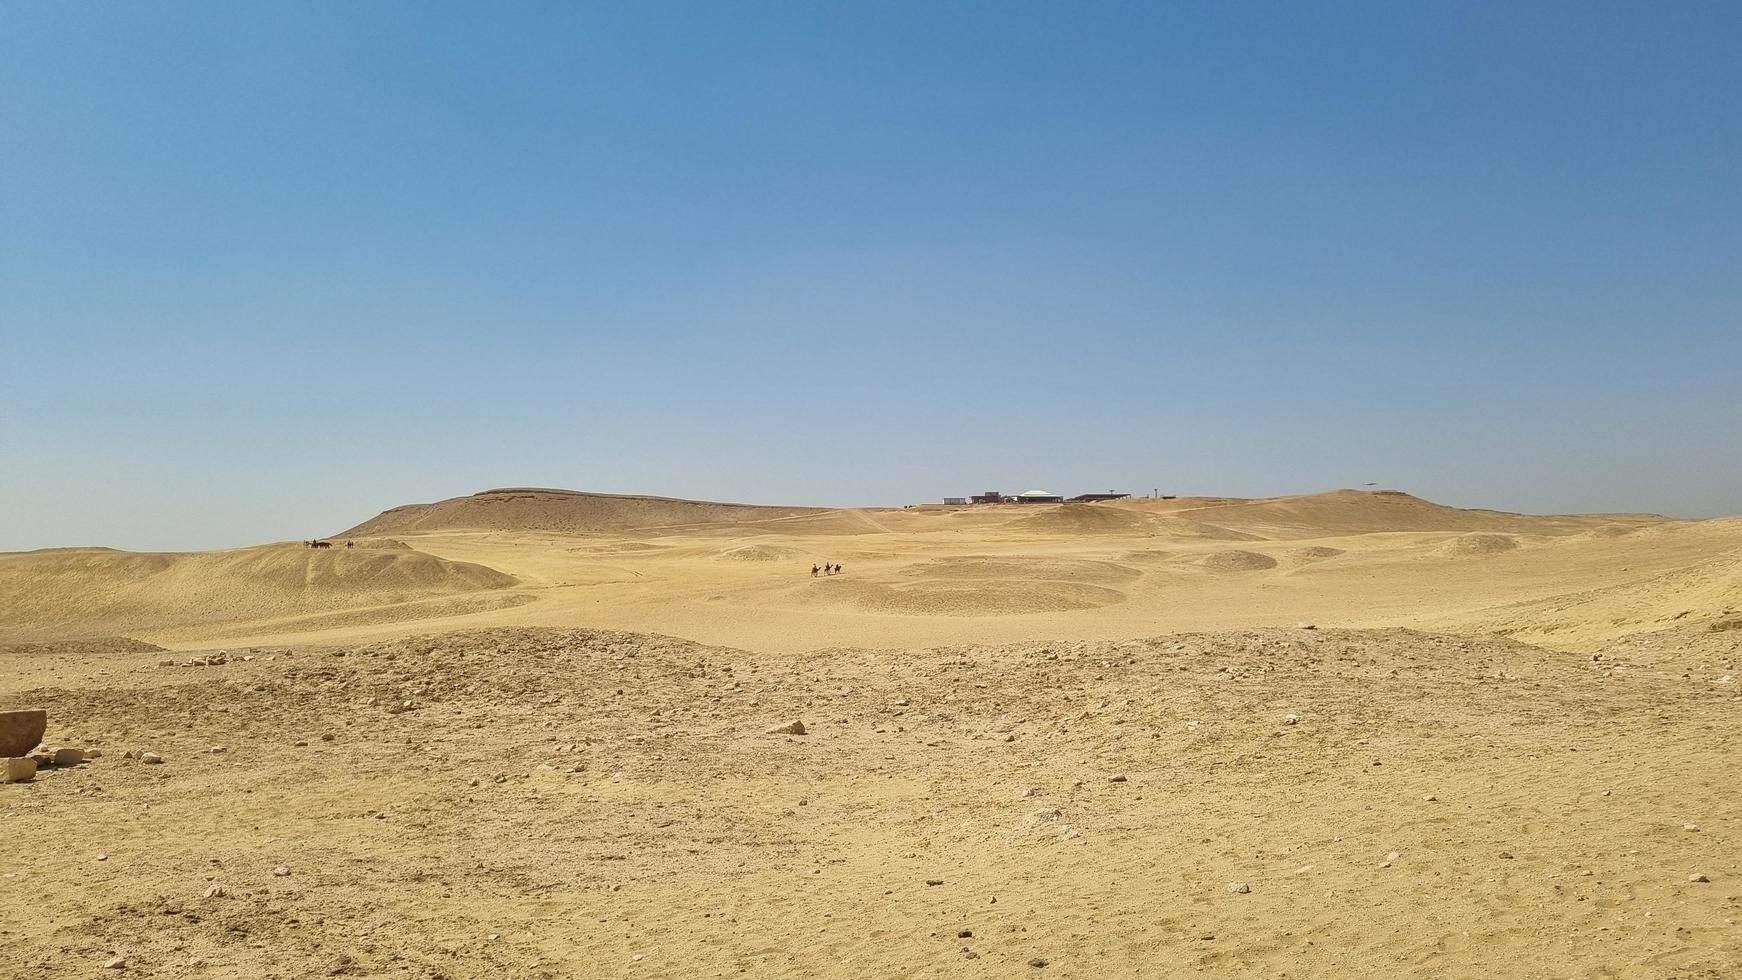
column 870, row 491
column 547, row 733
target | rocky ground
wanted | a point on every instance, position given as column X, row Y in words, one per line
column 571, row 803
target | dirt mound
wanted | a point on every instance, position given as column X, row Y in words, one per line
column 564, row 512
column 973, row 597
column 1237, row 561
column 975, row 567
column 1611, row 531
column 1315, row 553
column 384, row 544
column 101, row 591
column 1080, row 519
column 1366, row 512
column 761, row 552
column 1477, row 544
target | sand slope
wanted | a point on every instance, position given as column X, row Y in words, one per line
column 562, row 511
column 91, row 591
column 739, row 575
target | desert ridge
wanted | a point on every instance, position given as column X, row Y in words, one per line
column 738, row 574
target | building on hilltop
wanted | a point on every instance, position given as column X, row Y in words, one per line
column 1085, row 498
column 1038, row 497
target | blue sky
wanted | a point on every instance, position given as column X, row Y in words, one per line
column 266, row 269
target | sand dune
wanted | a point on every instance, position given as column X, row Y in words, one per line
column 561, row 511
column 1236, row 560
column 1477, row 544
column 739, row 574
column 761, row 552
column 1361, row 512
column 1082, row 519
column 91, row 591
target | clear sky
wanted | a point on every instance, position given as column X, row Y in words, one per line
column 269, row 268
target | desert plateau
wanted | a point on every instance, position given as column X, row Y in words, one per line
column 542, row 733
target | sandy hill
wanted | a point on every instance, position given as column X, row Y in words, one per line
column 1365, row 511
column 563, row 512
column 81, row 591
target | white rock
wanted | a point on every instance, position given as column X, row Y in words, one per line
column 150, row 758
column 1240, row 888
column 281, row 871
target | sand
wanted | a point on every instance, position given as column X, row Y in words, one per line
column 481, row 749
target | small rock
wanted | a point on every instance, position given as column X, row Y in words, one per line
column 794, row 727
column 218, row 749
column 1291, row 720
column 216, row 891
column 964, row 934
column 1037, row 962
column 118, row 963
column 1116, row 779
column 281, row 871
column 1240, row 888
column 1305, row 626
column 1691, row 827
column 934, row 881
column 150, row 758
column 102, row 857
column 65, row 756
column 17, row 770
column 1698, row 877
